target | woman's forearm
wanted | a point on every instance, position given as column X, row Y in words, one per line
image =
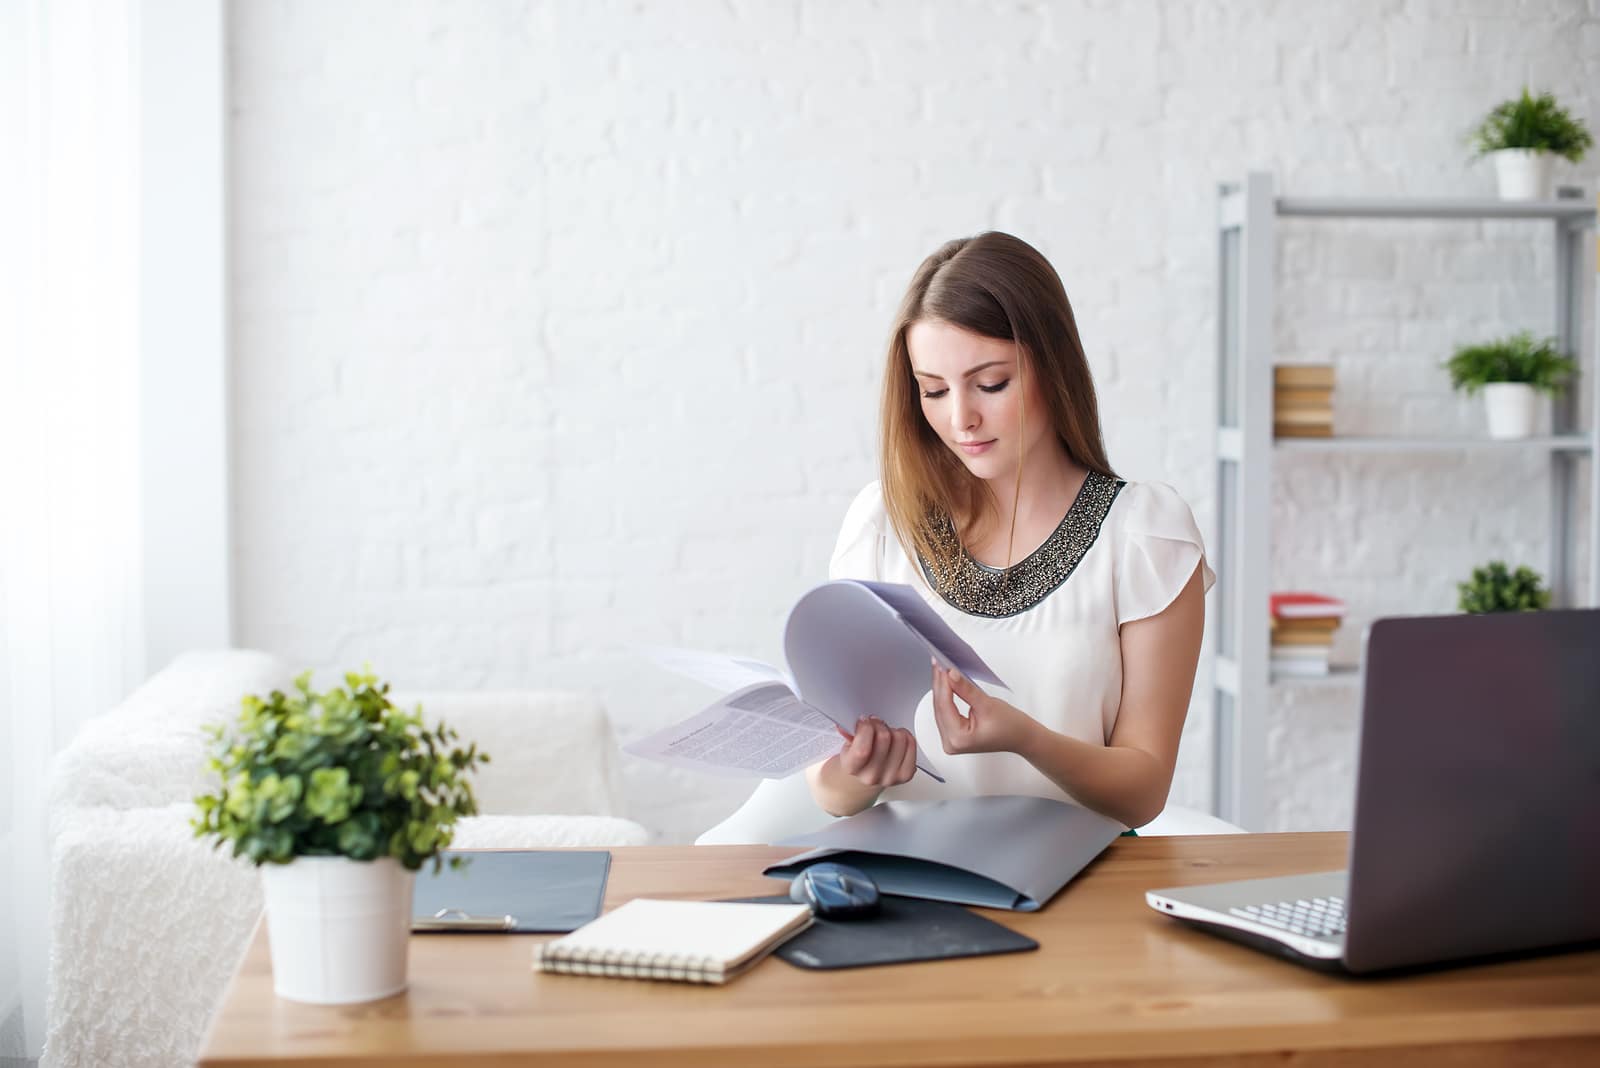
column 1126, row 784
column 836, row 791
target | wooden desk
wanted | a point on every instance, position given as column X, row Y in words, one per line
column 1113, row 982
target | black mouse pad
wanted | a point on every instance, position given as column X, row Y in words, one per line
column 904, row 929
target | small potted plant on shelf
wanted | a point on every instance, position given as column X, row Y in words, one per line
column 339, row 798
column 1512, row 372
column 1523, row 137
column 1496, row 588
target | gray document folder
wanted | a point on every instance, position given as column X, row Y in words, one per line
column 1003, row 852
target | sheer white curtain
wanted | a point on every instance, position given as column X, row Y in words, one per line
column 70, row 643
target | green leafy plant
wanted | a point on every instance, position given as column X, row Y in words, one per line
column 1535, row 122
column 1496, row 588
column 345, row 773
column 1518, row 358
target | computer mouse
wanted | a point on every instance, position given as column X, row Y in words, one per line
column 835, row 891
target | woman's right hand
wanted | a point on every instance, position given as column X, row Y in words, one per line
column 878, row 755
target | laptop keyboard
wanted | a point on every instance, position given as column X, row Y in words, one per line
column 1317, row 917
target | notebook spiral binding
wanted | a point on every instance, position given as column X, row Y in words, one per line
column 627, row 964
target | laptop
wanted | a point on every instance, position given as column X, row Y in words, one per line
column 1477, row 811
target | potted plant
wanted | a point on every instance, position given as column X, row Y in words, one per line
column 339, row 798
column 1496, row 588
column 1512, row 372
column 1523, row 137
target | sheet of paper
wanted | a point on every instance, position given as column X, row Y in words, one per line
column 854, row 655
column 763, row 730
column 944, row 643
column 714, row 669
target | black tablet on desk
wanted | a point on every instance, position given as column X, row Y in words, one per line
column 902, row 930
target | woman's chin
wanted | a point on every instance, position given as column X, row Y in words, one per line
column 986, row 467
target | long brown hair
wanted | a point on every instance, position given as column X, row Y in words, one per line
column 997, row 286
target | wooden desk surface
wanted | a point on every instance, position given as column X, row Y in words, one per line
column 1112, row 982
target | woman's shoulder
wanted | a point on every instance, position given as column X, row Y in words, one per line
column 1151, row 508
column 856, row 553
column 1158, row 547
column 867, row 506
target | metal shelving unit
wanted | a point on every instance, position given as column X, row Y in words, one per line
column 1247, row 217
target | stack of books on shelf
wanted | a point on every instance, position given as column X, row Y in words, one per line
column 1303, row 625
column 1302, row 400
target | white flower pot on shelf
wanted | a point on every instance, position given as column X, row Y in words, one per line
column 338, row 928
column 1513, row 409
column 1523, row 173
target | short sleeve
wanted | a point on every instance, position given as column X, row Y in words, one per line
column 1158, row 548
column 857, row 553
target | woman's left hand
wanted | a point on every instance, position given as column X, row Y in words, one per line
column 990, row 725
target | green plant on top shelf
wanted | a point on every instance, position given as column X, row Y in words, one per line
column 346, row 773
column 1533, row 122
column 1518, row 358
column 1496, row 588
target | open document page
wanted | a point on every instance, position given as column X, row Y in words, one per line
column 855, row 649
column 720, row 672
column 762, row 729
column 946, row 645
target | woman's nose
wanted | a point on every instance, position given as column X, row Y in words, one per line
column 963, row 413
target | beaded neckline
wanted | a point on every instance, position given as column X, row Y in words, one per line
column 980, row 590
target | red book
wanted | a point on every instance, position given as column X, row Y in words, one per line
column 1297, row 605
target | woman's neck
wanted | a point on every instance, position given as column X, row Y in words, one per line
column 1049, row 484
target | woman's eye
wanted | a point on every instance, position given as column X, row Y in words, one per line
column 997, row 387
column 935, row 394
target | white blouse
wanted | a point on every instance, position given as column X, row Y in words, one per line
column 1124, row 551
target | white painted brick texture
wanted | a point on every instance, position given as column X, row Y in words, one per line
column 557, row 326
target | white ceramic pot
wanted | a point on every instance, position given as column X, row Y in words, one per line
column 1524, row 173
column 1513, row 409
column 338, row 928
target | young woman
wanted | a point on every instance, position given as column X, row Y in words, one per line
column 1083, row 592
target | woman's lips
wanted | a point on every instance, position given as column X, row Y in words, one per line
column 976, row 448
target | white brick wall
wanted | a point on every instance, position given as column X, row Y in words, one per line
column 557, row 326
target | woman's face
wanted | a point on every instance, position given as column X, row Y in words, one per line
column 973, row 392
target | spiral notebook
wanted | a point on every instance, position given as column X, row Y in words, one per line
column 690, row 941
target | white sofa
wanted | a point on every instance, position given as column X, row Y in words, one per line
column 148, row 923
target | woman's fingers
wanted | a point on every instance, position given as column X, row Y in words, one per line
column 909, row 758
column 862, row 756
column 949, row 721
column 855, row 754
column 905, row 756
column 882, row 752
column 891, row 757
column 880, row 755
column 963, row 687
column 955, row 730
